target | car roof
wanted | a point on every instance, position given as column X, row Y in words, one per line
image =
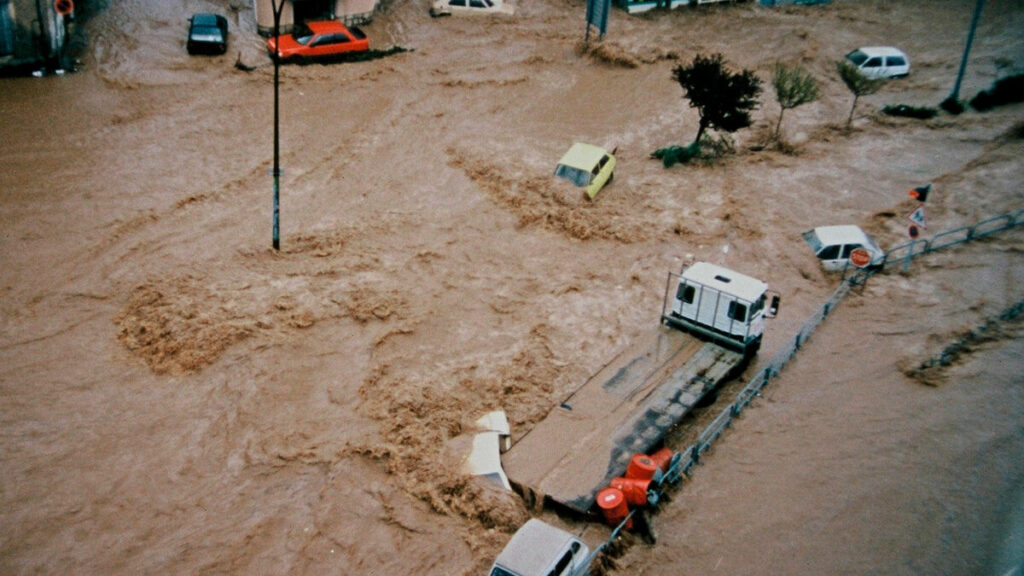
column 881, row 51
column 533, row 547
column 725, row 280
column 326, row 26
column 843, row 234
column 583, row 156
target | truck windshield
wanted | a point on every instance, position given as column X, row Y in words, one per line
column 499, row 571
column 757, row 306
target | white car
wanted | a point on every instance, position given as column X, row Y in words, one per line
column 833, row 245
column 450, row 7
column 540, row 549
column 880, row 61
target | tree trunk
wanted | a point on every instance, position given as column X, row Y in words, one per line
column 852, row 108
column 778, row 125
column 700, row 131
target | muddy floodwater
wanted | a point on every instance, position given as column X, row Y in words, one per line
column 176, row 397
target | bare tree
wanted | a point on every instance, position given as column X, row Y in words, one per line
column 858, row 83
column 794, row 87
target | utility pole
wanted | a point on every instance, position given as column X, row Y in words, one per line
column 953, row 102
column 277, row 6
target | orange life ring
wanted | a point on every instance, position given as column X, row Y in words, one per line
column 64, row 7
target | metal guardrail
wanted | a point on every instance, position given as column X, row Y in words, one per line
column 691, row 456
column 981, row 229
column 905, row 252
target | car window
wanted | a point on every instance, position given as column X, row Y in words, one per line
column 479, row 4
column 829, row 252
column 330, row 39
column 457, row 3
column 874, row 62
column 849, row 248
column 563, row 564
column 895, row 61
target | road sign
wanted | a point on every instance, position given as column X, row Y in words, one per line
column 918, row 216
column 860, row 257
column 921, row 192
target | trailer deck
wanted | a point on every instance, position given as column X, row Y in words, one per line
column 626, row 407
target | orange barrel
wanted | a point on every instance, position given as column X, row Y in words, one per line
column 613, row 506
column 641, row 466
column 663, row 458
column 634, row 490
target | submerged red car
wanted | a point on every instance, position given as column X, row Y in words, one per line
column 320, row 40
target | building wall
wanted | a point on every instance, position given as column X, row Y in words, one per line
column 347, row 11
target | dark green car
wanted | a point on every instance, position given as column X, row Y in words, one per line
column 207, row 34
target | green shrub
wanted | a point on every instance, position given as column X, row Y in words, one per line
column 1009, row 90
column 672, row 155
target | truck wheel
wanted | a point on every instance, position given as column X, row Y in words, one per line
column 708, row 399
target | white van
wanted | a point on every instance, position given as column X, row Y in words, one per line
column 540, row 549
column 724, row 305
column 880, row 61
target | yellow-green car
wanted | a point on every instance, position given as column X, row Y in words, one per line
column 587, row 166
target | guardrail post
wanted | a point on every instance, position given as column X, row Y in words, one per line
column 910, row 255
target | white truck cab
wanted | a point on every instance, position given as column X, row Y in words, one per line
column 540, row 549
column 723, row 305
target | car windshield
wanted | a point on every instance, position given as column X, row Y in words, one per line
column 811, row 238
column 206, row 33
column 578, row 177
column 857, row 57
column 304, row 39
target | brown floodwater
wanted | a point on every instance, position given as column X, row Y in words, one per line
column 178, row 397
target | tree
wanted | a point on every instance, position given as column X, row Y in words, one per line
column 793, row 87
column 723, row 99
column 858, row 83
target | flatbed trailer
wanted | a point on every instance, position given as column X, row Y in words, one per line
column 627, row 407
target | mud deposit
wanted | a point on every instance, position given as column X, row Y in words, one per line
column 178, row 398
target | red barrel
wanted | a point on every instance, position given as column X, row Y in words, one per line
column 613, row 506
column 641, row 466
column 633, row 489
column 663, row 458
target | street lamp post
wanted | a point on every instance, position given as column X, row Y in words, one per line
column 277, row 7
column 952, row 103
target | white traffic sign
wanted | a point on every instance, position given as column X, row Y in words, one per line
column 917, row 217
